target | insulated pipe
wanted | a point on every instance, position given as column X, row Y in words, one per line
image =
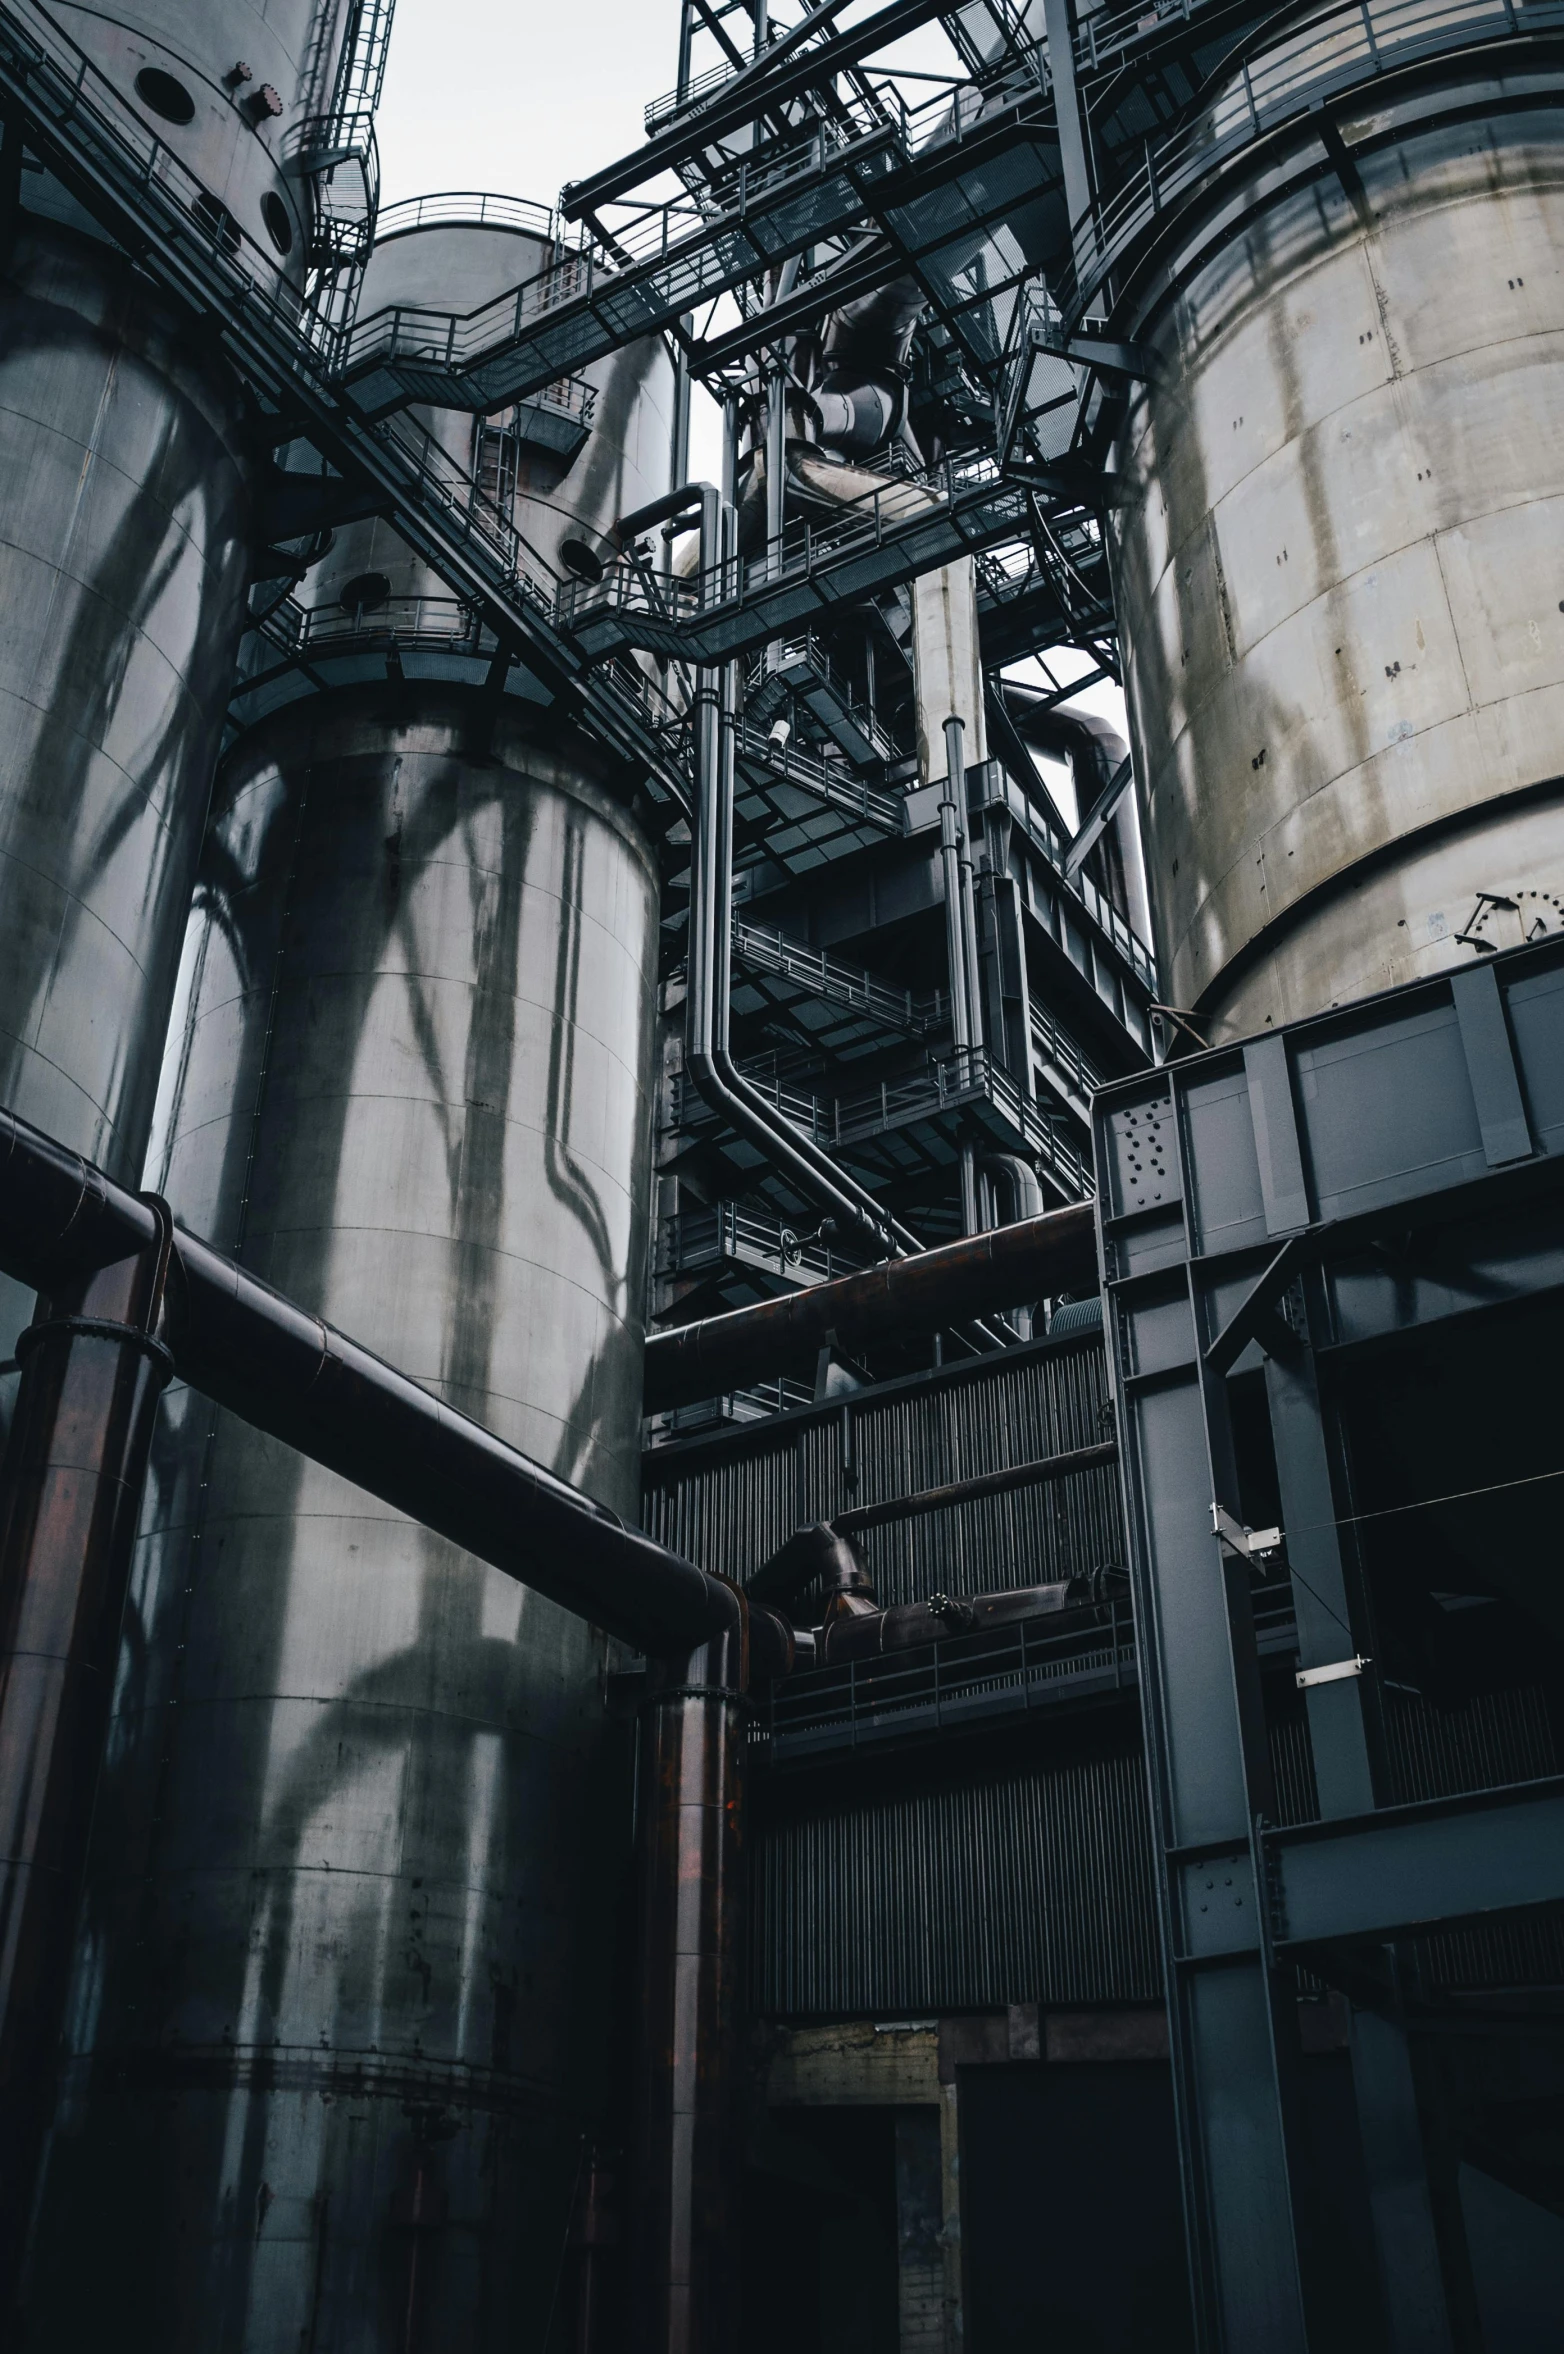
column 287, row 1372
column 950, row 866
column 70, row 1499
column 898, row 1299
column 956, row 784
column 961, row 946
column 1021, row 1182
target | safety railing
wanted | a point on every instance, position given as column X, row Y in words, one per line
column 968, row 494
column 462, row 208
column 1115, row 927
column 846, row 985
column 1056, row 1046
column 806, row 668
column 1278, row 80
column 1083, row 1655
column 966, row 1079
column 693, row 1241
column 1104, row 38
column 702, row 247
column 189, row 243
column 790, row 764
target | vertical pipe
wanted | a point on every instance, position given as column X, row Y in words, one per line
column 686, row 2144
column 686, row 38
column 950, row 866
column 965, row 1027
column 956, row 771
column 680, row 452
column 776, row 462
column 70, row 1497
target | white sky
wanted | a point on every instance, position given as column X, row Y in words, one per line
column 519, row 96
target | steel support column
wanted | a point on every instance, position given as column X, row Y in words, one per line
column 1345, row 1736
column 1232, row 2017
column 93, row 1370
column 1345, row 1717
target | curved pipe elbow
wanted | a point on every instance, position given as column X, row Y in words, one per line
column 860, row 419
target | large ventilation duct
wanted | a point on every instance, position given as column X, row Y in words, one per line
column 337, row 2034
column 124, row 510
column 1337, row 560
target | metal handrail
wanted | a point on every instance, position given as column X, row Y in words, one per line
column 190, row 245
column 462, row 208
column 943, row 1083
column 1037, row 1660
column 692, row 1239
column 812, row 775
column 772, row 951
column 875, row 140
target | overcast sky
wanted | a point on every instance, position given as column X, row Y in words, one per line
column 518, row 95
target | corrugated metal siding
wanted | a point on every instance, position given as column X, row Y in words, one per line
column 1483, row 1743
column 729, row 1504
column 1036, row 1885
column 1033, row 1885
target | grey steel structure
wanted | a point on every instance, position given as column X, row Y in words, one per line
column 344, row 1975
column 1324, row 1218
column 1211, row 343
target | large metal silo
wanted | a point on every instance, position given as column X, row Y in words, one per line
column 1337, row 559
column 339, row 2026
column 125, row 494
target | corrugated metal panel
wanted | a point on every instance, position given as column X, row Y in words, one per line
column 730, row 1503
column 1033, row 1885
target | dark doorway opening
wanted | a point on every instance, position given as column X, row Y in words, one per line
column 820, row 2248
column 1070, row 2219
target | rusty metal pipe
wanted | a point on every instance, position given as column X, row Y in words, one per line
column 70, row 1497
column 686, row 2154
column 902, row 1297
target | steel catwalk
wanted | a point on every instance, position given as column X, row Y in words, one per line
column 1337, row 569
column 337, row 2028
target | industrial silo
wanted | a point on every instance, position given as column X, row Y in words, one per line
column 339, row 2031
column 1336, row 547
column 126, row 497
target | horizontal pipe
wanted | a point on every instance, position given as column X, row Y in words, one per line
column 1035, row 1474
column 284, row 1370
column 925, row 1293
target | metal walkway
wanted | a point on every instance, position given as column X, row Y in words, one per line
column 923, row 177
column 903, row 528
column 849, row 986
column 144, row 195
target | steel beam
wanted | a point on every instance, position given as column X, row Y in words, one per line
column 1403, row 1871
